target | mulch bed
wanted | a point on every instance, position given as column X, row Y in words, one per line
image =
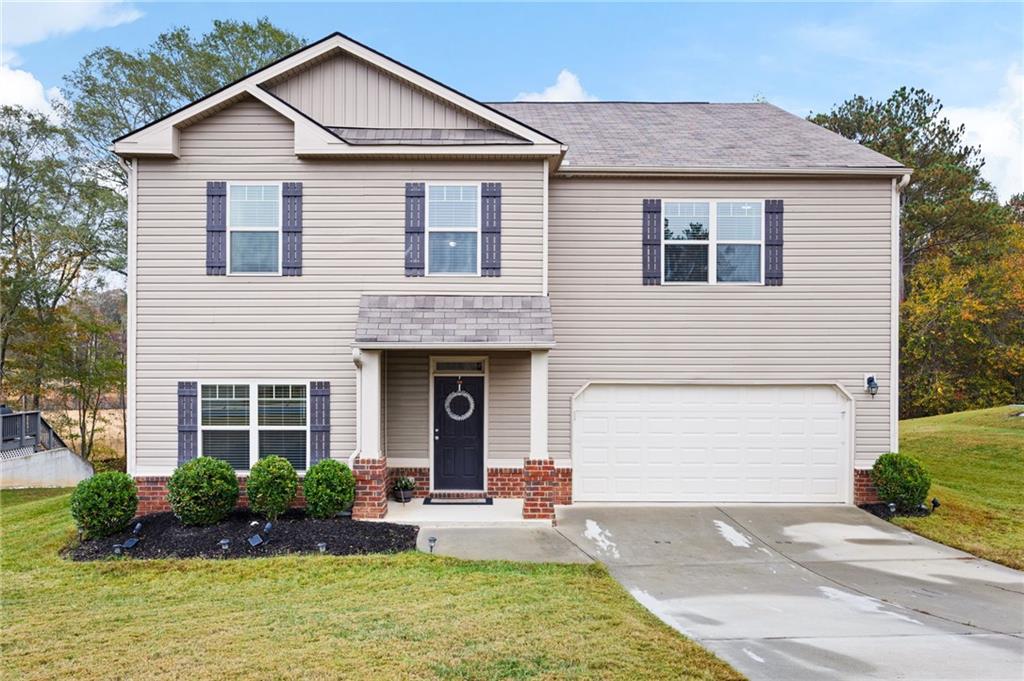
column 882, row 511
column 164, row 536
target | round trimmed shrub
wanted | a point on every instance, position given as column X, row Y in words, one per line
column 329, row 488
column 271, row 486
column 202, row 491
column 104, row 504
column 902, row 480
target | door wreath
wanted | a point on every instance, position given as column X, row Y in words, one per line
column 451, row 398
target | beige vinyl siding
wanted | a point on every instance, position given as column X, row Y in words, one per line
column 197, row 327
column 407, row 407
column 345, row 91
column 829, row 322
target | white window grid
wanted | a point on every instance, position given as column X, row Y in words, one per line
column 712, row 243
column 277, row 228
column 254, row 428
column 428, row 229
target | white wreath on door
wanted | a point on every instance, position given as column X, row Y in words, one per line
column 448, row 405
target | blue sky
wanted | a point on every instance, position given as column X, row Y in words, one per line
column 804, row 57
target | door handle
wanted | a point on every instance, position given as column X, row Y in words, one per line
column 437, row 437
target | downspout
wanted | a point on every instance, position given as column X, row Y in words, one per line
column 357, row 359
column 896, row 295
column 544, row 231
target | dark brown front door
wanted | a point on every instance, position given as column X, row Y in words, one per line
column 459, row 432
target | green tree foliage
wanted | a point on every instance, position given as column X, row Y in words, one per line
column 962, row 314
column 112, row 91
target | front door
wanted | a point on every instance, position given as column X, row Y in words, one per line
column 459, row 432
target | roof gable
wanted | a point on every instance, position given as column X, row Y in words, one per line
column 312, row 138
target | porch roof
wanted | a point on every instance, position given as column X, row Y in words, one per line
column 518, row 322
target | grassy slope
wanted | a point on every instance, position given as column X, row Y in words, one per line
column 395, row 617
column 976, row 460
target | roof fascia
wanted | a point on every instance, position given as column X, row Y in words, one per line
column 569, row 171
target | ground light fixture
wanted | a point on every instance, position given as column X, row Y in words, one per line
column 117, row 549
column 137, row 528
column 321, row 547
column 130, row 543
column 225, row 544
column 432, row 541
column 255, row 540
column 892, row 508
column 935, row 503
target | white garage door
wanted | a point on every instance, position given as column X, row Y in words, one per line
column 711, row 443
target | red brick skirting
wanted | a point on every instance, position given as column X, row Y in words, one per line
column 543, row 487
column 502, row 483
column 420, row 475
column 371, row 488
column 864, row 491
column 153, row 494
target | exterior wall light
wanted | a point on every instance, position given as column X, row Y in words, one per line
column 870, row 384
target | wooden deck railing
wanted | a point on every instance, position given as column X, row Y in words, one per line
column 28, row 429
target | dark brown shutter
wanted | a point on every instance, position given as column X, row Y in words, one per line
column 291, row 229
column 216, row 224
column 490, row 229
column 319, row 421
column 773, row 242
column 415, row 214
column 188, row 429
column 652, row 242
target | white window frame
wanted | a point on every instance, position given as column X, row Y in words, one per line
column 254, row 427
column 279, row 228
column 712, row 242
column 427, row 229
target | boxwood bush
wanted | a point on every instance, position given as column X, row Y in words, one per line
column 271, row 486
column 329, row 488
column 902, row 480
column 104, row 504
column 202, row 491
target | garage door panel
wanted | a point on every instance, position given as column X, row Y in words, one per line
column 711, row 443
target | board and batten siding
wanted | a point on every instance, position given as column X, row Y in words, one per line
column 191, row 326
column 829, row 322
column 344, row 91
column 407, row 407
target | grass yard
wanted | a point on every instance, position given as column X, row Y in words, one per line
column 396, row 617
column 976, row 460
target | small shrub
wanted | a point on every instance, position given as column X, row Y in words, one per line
column 329, row 488
column 104, row 504
column 405, row 483
column 902, row 480
column 202, row 491
column 271, row 486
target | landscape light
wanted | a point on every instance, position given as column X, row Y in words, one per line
column 267, row 528
column 130, row 542
column 892, row 508
column 935, row 503
column 224, row 544
column 321, row 547
column 255, row 540
column 117, row 549
column 137, row 528
column 432, row 541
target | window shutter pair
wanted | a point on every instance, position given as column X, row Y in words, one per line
column 415, row 229
column 652, row 235
column 319, row 421
column 216, row 228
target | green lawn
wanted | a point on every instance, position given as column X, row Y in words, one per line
column 396, row 617
column 976, row 459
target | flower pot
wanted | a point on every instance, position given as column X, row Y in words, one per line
column 403, row 495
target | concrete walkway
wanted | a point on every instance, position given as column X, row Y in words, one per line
column 526, row 544
column 812, row 592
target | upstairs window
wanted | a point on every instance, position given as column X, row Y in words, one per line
column 713, row 242
column 254, row 228
column 453, row 229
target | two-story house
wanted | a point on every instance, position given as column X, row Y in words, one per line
column 338, row 256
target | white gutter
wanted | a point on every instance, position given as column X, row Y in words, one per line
column 357, row 359
column 569, row 171
column 131, row 167
column 544, row 231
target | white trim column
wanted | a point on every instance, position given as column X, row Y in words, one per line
column 370, row 404
column 538, row 404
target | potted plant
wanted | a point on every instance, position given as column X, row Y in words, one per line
column 403, row 488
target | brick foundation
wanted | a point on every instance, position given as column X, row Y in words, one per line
column 420, row 475
column 502, row 483
column 153, row 494
column 544, row 485
column 371, row 488
column 864, row 491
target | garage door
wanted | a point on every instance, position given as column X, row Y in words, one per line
column 711, row 443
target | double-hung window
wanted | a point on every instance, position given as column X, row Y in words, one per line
column 254, row 228
column 453, row 229
column 243, row 422
column 719, row 242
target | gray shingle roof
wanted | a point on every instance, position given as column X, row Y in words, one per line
column 519, row 321
column 420, row 136
column 691, row 136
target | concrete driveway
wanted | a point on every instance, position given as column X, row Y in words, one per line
column 811, row 592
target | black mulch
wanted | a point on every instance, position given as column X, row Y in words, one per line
column 882, row 511
column 164, row 536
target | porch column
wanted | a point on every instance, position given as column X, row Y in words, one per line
column 370, row 467
column 539, row 404
column 539, row 475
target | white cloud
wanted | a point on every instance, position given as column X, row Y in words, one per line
column 997, row 128
column 31, row 22
column 21, row 88
column 567, row 88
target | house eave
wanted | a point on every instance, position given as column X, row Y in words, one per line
column 655, row 171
